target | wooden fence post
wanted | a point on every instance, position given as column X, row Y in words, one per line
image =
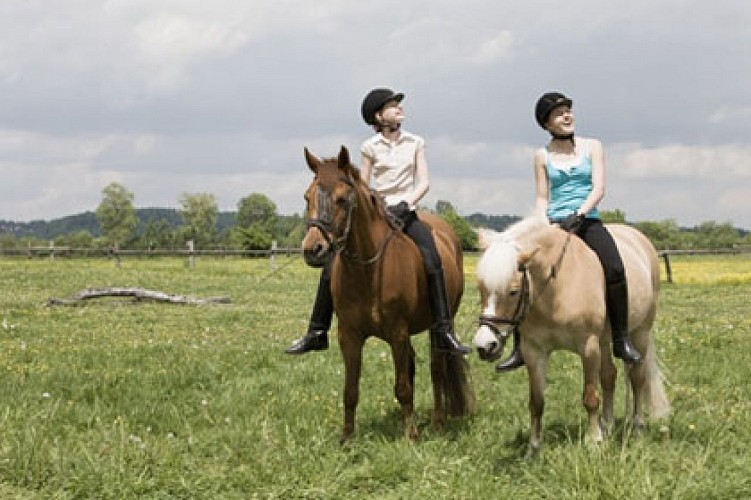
column 191, row 255
column 52, row 249
column 668, row 270
column 273, row 253
column 116, row 253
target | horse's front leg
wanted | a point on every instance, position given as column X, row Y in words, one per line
column 590, row 397
column 404, row 379
column 351, row 347
column 537, row 366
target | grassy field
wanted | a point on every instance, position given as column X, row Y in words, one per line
column 117, row 399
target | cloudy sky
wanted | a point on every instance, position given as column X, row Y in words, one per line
column 185, row 96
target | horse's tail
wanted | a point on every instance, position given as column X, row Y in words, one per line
column 653, row 389
column 456, row 382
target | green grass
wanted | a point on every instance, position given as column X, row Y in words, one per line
column 116, row 399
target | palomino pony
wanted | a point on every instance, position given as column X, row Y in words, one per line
column 379, row 288
column 550, row 285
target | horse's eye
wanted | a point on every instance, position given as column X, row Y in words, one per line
column 342, row 202
column 514, row 293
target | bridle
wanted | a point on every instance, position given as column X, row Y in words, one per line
column 325, row 220
column 325, row 224
column 494, row 322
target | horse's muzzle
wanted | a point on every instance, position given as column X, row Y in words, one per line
column 489, row 345
column 317, row 256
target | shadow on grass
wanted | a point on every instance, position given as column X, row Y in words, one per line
column 389, row 427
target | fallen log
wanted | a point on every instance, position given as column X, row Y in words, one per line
column 136, row 293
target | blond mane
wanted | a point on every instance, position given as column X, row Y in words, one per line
column 499, row 262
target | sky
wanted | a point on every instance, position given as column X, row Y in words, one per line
column 174, row 97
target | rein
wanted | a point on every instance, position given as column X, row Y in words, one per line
column 525, row 301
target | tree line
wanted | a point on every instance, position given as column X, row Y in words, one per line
column 256, row 223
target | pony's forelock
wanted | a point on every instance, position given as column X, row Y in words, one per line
column 498, row 264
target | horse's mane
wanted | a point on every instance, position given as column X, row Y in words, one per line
column 377, row 203
column 499, row 262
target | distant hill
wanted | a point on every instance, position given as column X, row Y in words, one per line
column 87, row 222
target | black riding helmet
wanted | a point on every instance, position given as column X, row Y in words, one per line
column 547, row 103
column 374, row 102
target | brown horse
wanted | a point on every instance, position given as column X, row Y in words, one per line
column 550, row 285
column 379, row 288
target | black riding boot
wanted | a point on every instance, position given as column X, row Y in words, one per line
column 317, row 338
column 616, row 299
column 442, row 337
column 515, row 359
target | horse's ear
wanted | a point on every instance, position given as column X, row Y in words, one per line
column 526, row 256
column 485, row 237
column 313, row 162
column 344, row 163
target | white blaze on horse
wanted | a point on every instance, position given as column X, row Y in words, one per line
column 550, row 285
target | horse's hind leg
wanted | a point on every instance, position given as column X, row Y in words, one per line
column 608, row 375
column 404, row 367
column 352, row 353
column 637, row 377
column 438, row 377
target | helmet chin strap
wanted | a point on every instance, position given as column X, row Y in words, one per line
column 563, row 137
column 390, row 128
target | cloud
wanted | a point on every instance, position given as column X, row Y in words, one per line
column 676, row 161
column 494, row 49
column 188, row 96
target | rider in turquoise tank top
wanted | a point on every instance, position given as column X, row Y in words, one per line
column 569, row 193
column 569, row 187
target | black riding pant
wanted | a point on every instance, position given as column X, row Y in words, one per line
column 421, row 234
column 597, row 237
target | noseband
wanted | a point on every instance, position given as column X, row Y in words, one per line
column 520, row 312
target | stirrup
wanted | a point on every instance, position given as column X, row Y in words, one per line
column 514, row 361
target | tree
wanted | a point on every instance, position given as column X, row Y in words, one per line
column 78, row 239
column 663, row 235
column 713, row 235
column 158, row 234
column 613, row 216
column 199, row 213
column 116, row 215
column 256, row 221
column 459, row 224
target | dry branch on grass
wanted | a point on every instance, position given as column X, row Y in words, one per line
column 136, row 293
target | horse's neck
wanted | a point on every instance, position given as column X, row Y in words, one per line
column 369, row 227
column 552, row 243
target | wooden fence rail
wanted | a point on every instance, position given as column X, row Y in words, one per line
column 51, row 251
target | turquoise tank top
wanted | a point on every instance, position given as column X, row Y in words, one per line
column 569, row 188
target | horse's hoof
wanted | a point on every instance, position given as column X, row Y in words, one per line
column 532, row 452
column 345, row 438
